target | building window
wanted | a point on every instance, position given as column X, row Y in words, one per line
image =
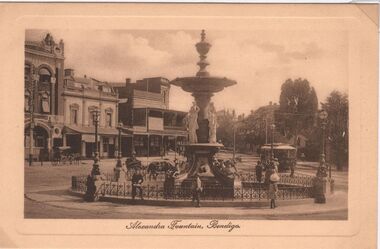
column 105, row 144
column 74, row 113
column 91, row 119
column 109, row 119
column 26, row 103
column 74, row 116
column 45, row 105
column 139, row 117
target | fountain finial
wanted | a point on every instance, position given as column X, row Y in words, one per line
column 203, row 47
column 203, row 35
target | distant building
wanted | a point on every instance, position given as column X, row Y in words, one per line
column 144, row 108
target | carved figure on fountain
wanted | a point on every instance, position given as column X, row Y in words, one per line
column 193, row 123
column 212, row 122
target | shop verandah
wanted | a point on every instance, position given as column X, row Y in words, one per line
column 81, row 140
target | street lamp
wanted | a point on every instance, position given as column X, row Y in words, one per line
column 320, row 181
column 234, row 137
column 95, row 168
column 323, row 117
column 91, row 194
column 273, row 126
column 32, row 88
column 118, row 168
column 119, row 127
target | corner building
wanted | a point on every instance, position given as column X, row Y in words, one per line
column 145, row 111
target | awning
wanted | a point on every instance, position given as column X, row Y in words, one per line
column 89, row 138
column 70, row 129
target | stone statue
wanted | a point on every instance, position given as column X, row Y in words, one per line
column 212, row 122
column 193, row 123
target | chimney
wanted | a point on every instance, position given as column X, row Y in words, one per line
column 69, row 72
column 85, row 76
column 270, row 102
column 127, row 81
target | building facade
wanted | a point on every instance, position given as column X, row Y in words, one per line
column 43, row 81
column 59, row 106
column 145, row 111
column 84, row 97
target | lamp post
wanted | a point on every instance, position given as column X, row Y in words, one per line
column 118, row 168
column 320, row 181
column 323, row 117
column 92, row 186
column 32, row 88
column 95, row 168
column 119, row 127
column 234, row 137
column 273, row 126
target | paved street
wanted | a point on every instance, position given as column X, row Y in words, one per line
column 47, row 197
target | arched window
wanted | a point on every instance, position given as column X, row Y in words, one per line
column 45, row 75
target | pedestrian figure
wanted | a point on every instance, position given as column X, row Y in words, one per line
column 268, row 172
column 292, row 168
column 259, row 171
column 273, row 189
column 197, row 189
column 137, row 180
column 91, row 189
column 276, row 164
column 169, row 183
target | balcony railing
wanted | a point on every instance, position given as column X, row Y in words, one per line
column 46, row 117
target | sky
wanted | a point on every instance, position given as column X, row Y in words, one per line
column 259, row 60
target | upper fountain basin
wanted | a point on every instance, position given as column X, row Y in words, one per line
column 203, row 84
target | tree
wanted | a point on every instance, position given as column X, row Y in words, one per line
column 336, row 106
column 224, row 131
column 298, row 107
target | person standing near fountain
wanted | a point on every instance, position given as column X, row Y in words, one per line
column 197, row 189
column 273, row 189
column 193, row 123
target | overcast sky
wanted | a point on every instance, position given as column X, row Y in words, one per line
column 259, row 61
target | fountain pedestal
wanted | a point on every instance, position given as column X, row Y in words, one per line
column 200, row 157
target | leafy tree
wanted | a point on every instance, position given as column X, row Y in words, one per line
column 224, row 131
column 298, row 106
column 336, row 106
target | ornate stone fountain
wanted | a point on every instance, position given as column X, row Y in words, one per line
column 202, row 121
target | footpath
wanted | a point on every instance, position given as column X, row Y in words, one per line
column 62, row 198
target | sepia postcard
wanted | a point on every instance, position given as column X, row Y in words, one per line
column 189, row 125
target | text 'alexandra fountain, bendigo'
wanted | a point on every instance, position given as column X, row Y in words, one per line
column 202, row 123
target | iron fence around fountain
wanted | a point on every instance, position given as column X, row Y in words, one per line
column 177, row 192
column 286, row 179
